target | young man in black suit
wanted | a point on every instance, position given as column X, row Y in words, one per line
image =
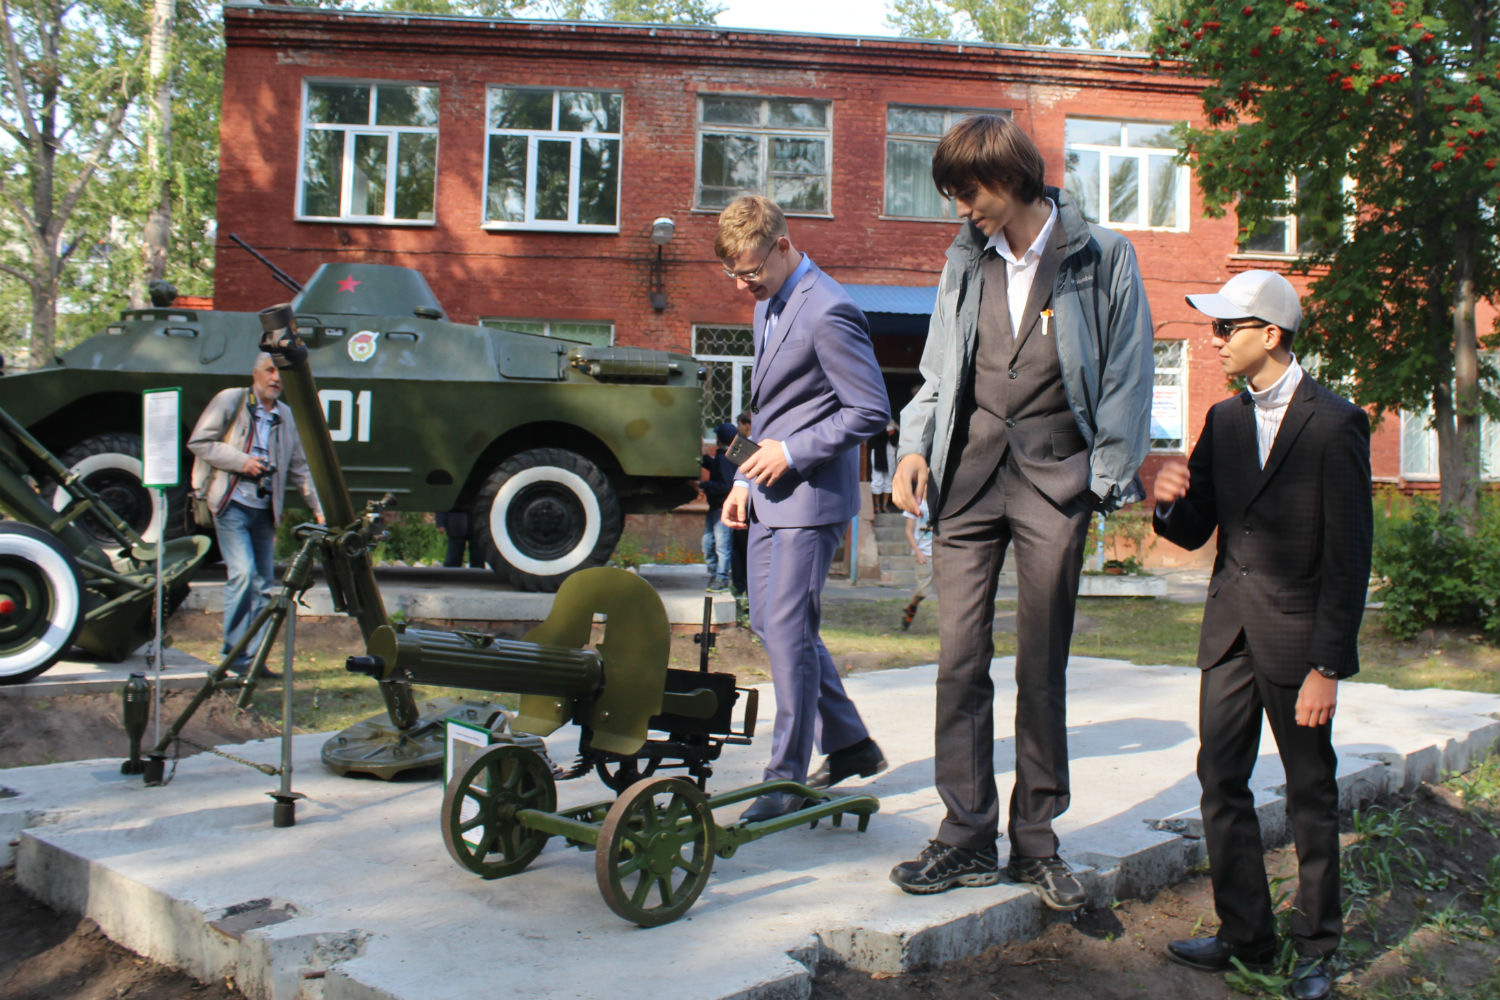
column 1282, row 471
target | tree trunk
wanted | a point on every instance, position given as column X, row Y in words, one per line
column 1460, row 464
column 158, row 230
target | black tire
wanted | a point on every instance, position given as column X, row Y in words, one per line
column 41, row 601
column 110, row 465
column 544, row 514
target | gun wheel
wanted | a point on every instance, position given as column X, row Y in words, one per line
column 480, row 825
column 655, row 850
column 627, row 771
column 41, row 601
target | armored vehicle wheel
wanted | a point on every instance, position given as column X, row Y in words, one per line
column 480, row 828
column 655, row 850
column 110, row 465
column 544, row 514
column 41, row 601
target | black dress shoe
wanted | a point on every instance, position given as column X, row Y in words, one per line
column 1213, row 955
column 863, row 759
column 772, row 805
column 1311, row 979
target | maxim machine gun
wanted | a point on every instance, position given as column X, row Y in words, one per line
column 655, row 843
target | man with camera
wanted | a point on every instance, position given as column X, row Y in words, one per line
column 246, row 450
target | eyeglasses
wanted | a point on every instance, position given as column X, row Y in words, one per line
column 752, row 275
column 1226, row 328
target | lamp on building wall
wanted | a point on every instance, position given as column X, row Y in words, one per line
column 662, row 231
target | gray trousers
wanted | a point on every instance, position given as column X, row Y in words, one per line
column 969, row 550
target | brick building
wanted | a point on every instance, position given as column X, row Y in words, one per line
column 523, row 167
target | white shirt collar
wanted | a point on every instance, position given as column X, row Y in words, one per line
column 1001, row 245
column 1279, row 393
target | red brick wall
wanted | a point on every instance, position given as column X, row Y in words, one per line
column 660, row 72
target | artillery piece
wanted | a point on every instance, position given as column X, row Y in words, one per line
column 64, row 584
column 655, row 844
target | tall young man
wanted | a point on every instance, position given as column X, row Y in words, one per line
column 1282, row 472
column 1034, row 413
column 816, row 392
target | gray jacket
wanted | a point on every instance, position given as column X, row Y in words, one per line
column 1103, row 335
column 220, row 444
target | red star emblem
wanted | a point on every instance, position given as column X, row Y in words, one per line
column 347, row 284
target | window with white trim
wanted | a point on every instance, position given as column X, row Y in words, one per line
column 728, row 353
column 911, row 137
column 1125, row 174
column 582, row 331
column 369, row 152
column 552, row 159
column 1419, row 447
column 1286, row 235
column 776, row 146
column 1169, row 396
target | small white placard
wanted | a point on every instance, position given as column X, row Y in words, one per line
column 464, row 743
column 162, row 446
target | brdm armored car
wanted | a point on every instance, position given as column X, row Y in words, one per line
column 546, row 443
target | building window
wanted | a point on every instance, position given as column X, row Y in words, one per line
column 582, row 331
column 776, row 146
column 911, row 137
column 1169, row 396
column 552, row 159
column 729, row 354
column 1289, row 234
column 1419, row 447
column 1125, row 174
column 369, row 152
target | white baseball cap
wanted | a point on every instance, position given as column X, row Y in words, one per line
column 1259, row 294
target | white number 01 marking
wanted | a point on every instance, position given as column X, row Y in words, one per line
column 353, row 414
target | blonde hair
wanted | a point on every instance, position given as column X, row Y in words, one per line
column 750, row 222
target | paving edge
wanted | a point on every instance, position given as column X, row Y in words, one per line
column 269, row 966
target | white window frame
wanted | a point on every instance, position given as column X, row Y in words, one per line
column 1143, row 154
column 1416, row 423
column 951, row 117
column 1291, row 238
column 391, row 133
column 1169, row 394
column 555, row 328
column 575, row 163
column 740, row 368
column 764, row 133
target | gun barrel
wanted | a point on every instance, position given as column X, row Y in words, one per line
column 483, row 663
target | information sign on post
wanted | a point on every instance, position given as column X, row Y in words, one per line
column 163, row 445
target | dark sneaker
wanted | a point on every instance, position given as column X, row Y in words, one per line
column 907, row 614
column 943, row 866
column 1052, row 878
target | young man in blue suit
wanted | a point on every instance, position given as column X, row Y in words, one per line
column 816, row 392
column 1282, row 472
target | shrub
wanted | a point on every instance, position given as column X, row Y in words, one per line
column 411, row 538
column 1432, row 573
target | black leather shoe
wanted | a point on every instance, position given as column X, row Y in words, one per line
column 1214, row 955
column 771, row 805
column 1311, row 979
column 863, row 759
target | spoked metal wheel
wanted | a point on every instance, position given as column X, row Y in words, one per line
column 480, row 828
column 41, row 601
column 621, row 774
column 655, row 850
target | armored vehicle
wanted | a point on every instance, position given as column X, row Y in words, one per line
column 545, row 443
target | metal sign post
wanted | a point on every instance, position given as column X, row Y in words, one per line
column 160, row 471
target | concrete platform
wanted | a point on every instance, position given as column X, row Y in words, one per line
column 79, row 675
column 463, row 594
column 360, row 900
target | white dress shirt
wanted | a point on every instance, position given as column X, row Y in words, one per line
column 1020, row 273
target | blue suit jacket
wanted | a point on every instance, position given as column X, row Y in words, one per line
column 817, row 387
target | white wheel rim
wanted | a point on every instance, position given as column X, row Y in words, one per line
column 123, row 463
column 574, row 557
column 65, row 591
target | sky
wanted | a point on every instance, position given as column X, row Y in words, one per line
column 833, row 17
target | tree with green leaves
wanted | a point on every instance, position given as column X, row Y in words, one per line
column 1095, row 24
column 1387, row 116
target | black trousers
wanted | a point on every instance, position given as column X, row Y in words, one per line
column 968, row 551
column 1232, row 698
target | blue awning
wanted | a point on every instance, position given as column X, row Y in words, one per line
column 905, row 300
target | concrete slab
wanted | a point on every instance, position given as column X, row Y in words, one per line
column 86, row 676
column 359, row 899
column 463, row 594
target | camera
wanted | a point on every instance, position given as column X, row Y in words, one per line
column 264, row 481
